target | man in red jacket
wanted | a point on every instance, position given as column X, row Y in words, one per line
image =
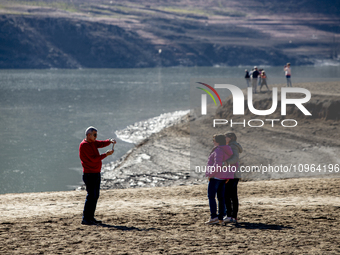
column 91, row 161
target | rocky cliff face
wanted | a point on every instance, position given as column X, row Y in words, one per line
column 43, row 42
column 30, row 42
column 99, row 34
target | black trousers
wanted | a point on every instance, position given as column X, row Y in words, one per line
column 92, row 183
column 231, row 198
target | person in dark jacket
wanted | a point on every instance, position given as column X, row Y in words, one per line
column 231, row 197
column 247, row 77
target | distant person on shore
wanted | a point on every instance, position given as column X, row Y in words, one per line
column 91, row 161
column 259, row 79
column 217, row 178
column 247, row 77
column 255, row 75
column 263, row 80
column 288, row 73
column 231, row 197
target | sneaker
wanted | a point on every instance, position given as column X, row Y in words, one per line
column 88, row 222
column 97, row 221
column 229, row 219
column 212, row 221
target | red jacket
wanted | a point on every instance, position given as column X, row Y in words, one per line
column 89, row 155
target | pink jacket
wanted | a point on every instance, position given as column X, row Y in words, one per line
column 215, row 167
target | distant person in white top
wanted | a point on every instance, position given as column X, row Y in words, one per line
column 288, row 74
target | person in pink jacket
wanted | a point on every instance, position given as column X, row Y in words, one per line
column 218, row 175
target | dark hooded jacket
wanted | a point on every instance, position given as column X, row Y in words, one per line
column 235, row 158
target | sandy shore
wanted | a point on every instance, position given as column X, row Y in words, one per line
column 292, row 216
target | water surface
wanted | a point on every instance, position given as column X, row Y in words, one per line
column 44, row 113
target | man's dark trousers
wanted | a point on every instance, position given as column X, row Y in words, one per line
column 92, row 183
column 231, row 198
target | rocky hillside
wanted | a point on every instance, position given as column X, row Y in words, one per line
column 124, row 34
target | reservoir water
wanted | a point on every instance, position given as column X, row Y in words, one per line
column 44, row 113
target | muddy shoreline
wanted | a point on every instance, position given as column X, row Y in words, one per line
column 164, row 158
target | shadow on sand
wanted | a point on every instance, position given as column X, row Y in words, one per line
column 248, row 225
column 125, row 228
